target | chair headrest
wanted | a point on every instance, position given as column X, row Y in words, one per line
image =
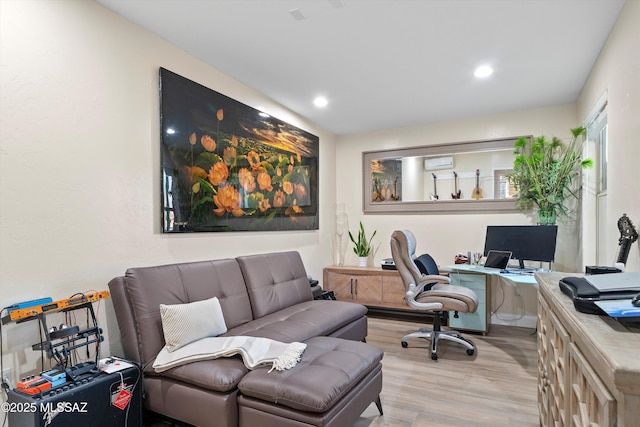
column 403, row 248
column 411, row 243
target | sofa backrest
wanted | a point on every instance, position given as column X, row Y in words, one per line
column 137, row 297
column 275, row 281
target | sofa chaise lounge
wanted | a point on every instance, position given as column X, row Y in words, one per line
column 265, row 295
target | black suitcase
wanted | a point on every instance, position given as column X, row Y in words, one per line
column 584, row 294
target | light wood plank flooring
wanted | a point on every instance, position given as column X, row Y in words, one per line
column 494, row 387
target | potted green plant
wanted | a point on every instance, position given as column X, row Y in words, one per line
column 545, row 174
column 362, row 246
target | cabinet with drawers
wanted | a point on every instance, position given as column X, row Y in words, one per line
column 588, row 365
column 370, row 286
column 479, row 320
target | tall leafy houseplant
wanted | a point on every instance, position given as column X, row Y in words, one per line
column 362, row 246
column 545, row 174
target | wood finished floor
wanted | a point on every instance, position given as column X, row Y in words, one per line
column 495, row 387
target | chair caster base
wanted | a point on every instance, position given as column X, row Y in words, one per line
column 434, row 356
column 404, row 344
column 470, row 352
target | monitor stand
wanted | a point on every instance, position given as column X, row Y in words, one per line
column 522, row 269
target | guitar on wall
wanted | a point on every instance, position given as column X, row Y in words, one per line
column 434, row 195
column 477, row 192
column 394, row 195
column 628, row 235
column 457, row 194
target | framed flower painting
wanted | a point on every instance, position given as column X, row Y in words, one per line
column 229, row 167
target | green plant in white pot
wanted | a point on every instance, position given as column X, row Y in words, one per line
column 546, row 174
column 362, row 246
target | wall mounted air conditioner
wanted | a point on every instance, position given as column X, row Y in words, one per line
column 435, row 163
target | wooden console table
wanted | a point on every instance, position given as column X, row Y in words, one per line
column 383, row 290
column 588, row 365
column 370, row 286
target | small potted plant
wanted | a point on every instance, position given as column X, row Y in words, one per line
column 362, row 246
column 545, row 173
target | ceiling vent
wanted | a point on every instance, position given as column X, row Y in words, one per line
column 436, row 163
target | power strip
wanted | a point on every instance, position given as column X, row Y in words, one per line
column 27, row 304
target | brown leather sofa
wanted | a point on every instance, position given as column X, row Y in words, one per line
column 266, row 295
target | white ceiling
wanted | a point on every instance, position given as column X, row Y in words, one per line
column 390, row 63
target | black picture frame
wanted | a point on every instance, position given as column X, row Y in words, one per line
column 226, row 166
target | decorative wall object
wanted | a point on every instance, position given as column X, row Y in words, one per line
column 341, row 238
column 229, row 167
column 385, row 175
column 396, row 181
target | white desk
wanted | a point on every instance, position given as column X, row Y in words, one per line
column 480, row 280
column 522, row 278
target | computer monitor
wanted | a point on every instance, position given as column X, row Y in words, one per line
column 526, row 242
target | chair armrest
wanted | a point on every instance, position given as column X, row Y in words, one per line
column 434, row 278
column 414, row 291
column 427, row 282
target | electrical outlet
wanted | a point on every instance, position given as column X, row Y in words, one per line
column 7, row 374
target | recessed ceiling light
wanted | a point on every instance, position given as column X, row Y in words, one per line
column 320, row 101
column 483, row 71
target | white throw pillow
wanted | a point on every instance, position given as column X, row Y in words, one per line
column 185, row 323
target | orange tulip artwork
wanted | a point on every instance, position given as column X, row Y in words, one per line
column 226, row 167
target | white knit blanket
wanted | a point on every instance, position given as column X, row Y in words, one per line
column 255, row 352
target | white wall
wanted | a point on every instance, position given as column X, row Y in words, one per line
column 445, row 235
column 617, row 71
column 79, row 160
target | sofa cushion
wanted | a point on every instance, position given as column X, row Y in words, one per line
column 302, row 321
column 222, row 375
column 148, row 287
column 185, row 323
column 329, row 368
column 274, row 281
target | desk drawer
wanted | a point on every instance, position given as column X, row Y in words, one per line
column 470, row 321
column 477, row 321
column 475, row 282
